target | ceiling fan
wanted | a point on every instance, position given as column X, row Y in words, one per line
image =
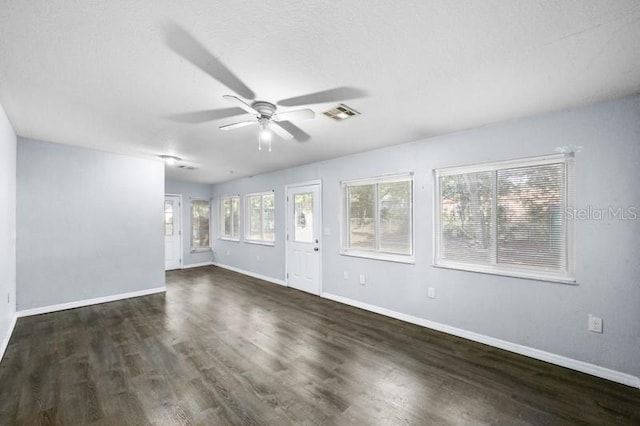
column 267, row 118
column 265, row 114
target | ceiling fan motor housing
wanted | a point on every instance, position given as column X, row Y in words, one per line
column 266, row 109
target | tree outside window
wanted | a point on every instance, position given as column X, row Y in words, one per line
column 200, row 218
column 379, row 217
column 506, row 218
column 260, row 218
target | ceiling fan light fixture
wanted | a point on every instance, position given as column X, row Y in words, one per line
column 264, row 134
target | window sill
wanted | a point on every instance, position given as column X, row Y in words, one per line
column 522, row 274
column 200, row 250
column 388, row 257
column 261, row 243
column 237, row 240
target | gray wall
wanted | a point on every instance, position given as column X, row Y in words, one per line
column 7, row 226
column 189, row 191
column 259, row 259
column 548, row 316
column 89, row 224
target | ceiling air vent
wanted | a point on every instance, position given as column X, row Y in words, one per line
column 341, row 112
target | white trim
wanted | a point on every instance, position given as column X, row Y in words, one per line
column 196, row 265
column 385, row 178
column 201, row 250
column 505, row 164
column 584, row 367
column 7, row 338
column 249, row 273
column 375, row 255
column 505, row 271
column 88, row 302
column 260, row 243
column 235, row 240
column 306, row 183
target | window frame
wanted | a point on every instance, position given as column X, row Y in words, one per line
column 376, row 254
column 247, row 219
column 527, row 272
column 221, row 230
column 191, row 224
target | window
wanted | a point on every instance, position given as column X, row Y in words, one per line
column 230, row 218
column 200, row 225
column 378, row 218
column 168, row 218
column 506, row 218
column 303, row 214
column 260, row 218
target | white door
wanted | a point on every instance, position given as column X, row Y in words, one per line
column 304, row 230
column 172, row 232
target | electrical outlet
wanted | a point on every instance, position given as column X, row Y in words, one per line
column 431, row 292
column 362, row 280
column 258, row 258
column 345, row 275
column 595, row 324
column 228, row 252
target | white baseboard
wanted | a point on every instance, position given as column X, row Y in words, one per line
column 249, row 273
column 87, row 302
column 196, row 265
column 584, row 367
column 5, row 341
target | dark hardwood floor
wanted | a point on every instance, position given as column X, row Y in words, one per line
column 222, row 348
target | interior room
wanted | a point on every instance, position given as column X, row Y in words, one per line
column 417, row 212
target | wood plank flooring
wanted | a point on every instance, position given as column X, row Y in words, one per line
column 223, row 348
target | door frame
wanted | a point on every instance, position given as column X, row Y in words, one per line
column 179, row 230
column 287, row 216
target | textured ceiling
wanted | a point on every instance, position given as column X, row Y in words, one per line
column 105, row 75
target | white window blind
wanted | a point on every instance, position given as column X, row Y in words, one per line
column 378, row 217
column 507, row 218
column 260, row 211
column 230, row 217
column 466, row 210
column 200, row 225
column 531, row 205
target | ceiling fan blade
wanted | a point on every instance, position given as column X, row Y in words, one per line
column 332, row 95
column 280, row 131
column 297, row 133
column 238, row 124
column 242, row 104
column 299, row 114
column 185, row 45
column 207, row 115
